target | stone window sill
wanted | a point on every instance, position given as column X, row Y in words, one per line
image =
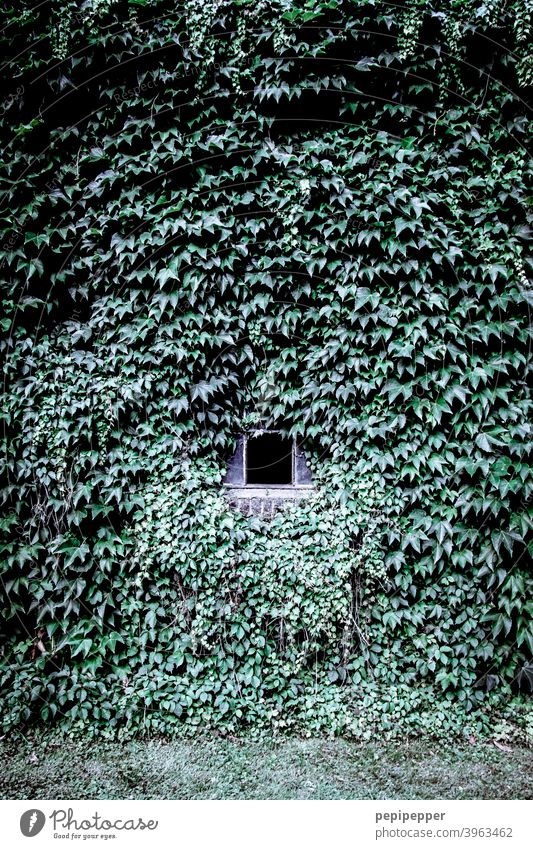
column 269, row 491
column 264, row 500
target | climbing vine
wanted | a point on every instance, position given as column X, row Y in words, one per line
column 308, row 216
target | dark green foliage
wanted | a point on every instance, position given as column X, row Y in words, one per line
column 310, row 216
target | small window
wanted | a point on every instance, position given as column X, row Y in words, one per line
column 269, row 460
column 266, row 458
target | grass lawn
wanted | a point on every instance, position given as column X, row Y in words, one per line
column 242, row 768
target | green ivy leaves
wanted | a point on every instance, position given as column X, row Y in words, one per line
column 232, row 232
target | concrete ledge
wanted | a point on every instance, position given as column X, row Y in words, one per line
column 265, row 500
column 268, row 492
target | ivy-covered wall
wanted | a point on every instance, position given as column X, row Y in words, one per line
column 306, row 215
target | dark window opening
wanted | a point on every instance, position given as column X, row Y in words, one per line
column 269, row 460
